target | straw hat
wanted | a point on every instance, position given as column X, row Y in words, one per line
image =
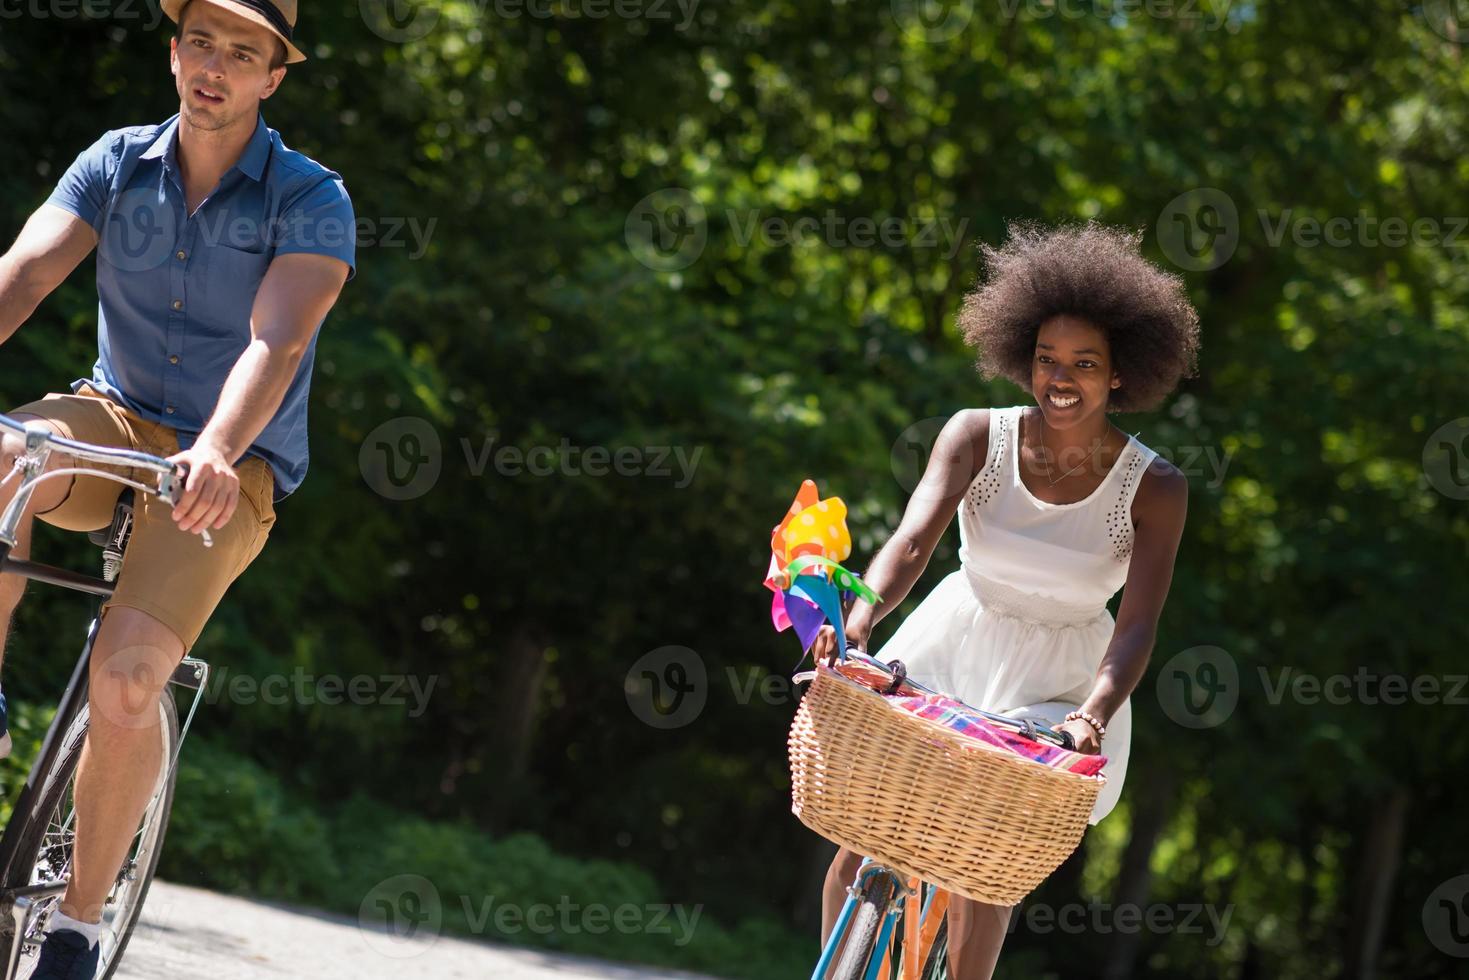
column 276, row 16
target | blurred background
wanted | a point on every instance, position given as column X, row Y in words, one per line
column 628, row 272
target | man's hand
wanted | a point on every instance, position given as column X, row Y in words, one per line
column 1084, row 735
column 211, row 491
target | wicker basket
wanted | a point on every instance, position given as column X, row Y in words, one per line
column 927, row 801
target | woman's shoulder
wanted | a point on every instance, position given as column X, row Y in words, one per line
column 979, row 426
column 981, row 417
column 977, row 422
column 1162, row 484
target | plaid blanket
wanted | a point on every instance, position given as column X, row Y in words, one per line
column 959, row 717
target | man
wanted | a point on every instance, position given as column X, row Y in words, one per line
column 220, row 252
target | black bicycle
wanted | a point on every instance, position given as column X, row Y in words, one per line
column 36, row 847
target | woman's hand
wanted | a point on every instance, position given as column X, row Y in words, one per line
column 1084, row 735
column 824, row 648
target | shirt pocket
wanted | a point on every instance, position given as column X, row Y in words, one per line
column 225, row 290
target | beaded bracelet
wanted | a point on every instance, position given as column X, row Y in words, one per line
column 1089, row 719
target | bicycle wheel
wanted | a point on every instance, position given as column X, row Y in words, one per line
column 49, row 832
column 872, row 906
column 936, row 967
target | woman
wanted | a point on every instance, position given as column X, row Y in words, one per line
column 1058, row 508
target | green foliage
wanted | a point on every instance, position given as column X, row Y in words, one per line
column 236, row 828
column 529, row 320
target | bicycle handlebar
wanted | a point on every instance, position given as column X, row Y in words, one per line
column 905, row 684
column 40, row 440
column 88, row 451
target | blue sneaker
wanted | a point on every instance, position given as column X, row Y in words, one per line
column 65, row 955
column 4, row 728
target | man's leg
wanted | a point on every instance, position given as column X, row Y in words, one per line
column 132, row 659
column 169, row 586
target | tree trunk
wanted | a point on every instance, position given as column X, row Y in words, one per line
column 1152, row 801
column 1379, row 870
column 512, row 714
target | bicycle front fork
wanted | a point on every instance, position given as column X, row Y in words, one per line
column 901, row 892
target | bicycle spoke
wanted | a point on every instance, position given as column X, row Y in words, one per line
column 55, row 843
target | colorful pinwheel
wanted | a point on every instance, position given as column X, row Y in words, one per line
column 805, row 571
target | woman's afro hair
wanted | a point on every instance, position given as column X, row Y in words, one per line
column 1094, row 272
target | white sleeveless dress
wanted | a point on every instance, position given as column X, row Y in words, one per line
column 1022, row 627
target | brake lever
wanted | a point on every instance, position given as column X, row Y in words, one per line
column 172, row 482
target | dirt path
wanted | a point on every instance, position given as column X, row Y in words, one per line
column 188, row 933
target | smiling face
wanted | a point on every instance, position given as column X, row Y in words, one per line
column 222, row 66
column 1072, row 363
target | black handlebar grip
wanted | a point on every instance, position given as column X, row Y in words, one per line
column 1067, row 742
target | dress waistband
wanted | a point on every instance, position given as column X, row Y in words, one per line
column 1005, row 600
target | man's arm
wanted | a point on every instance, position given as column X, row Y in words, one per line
column 297, row 292
column 52, row 244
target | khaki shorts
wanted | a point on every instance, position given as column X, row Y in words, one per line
column 167, row 572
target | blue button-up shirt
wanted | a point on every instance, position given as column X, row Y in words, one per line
column 175, row 290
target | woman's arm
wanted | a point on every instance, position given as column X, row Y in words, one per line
column 958, row 454
column 1161, row 506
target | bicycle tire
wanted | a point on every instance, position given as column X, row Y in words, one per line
column 936, row 967
column 53, row 814
column 872, row 906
